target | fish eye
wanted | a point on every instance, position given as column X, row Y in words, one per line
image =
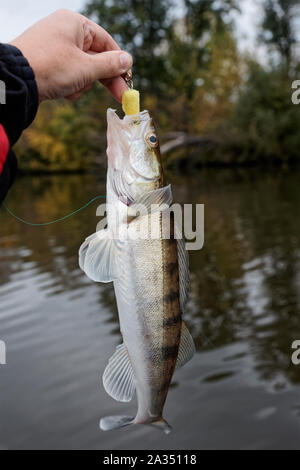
column 152, row 139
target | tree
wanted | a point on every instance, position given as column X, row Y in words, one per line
column 279, row 29
column 190, row 41
column 140, row 27
column 165, row 37
column 221, row 85
column 266, row 122
column 61, row 138
column 200, row 14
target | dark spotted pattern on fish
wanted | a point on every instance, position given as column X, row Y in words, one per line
column 171, row 267
column 164, row 387
column 171, row 315
column 172, row 321
column 171, row 296
column 169, row 352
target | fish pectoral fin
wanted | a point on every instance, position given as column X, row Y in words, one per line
column 186, row 347
column 97, row 257
column 158, row 197
column 118, row 377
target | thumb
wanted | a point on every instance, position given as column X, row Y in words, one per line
column 108, row 64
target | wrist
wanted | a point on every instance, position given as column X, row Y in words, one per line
column 21, row 48
column 21, row 90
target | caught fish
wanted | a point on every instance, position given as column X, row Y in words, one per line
column 150, row 274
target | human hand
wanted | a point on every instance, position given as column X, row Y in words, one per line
column 69, row 53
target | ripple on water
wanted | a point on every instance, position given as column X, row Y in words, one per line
column 239, row 391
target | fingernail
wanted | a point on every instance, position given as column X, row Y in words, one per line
column 125, row 60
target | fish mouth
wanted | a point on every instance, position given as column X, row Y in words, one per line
column 127, row 148
column 137, row 118
column 120, row 131
column 112, row 116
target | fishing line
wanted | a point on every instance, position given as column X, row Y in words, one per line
column 53, row 221
column 64, row 218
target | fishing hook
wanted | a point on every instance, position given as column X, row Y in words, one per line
column 128, row 79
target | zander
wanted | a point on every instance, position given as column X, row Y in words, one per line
column 150, row 275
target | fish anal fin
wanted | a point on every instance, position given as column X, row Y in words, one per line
column 118, row 377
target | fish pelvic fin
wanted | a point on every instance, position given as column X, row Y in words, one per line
column 98, row 255
column 109, row 423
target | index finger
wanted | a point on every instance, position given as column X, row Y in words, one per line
column 102, row 40
column 116, row 86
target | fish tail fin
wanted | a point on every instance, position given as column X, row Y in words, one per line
column 162, row 424
column 115, row 422
column 109, row 423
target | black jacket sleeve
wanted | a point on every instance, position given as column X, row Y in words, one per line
column 18, row 105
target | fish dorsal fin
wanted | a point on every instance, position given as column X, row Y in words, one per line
column 186, row 347
column 158, row 197
column 97, row 257
column 184, row 275
column 118, row 377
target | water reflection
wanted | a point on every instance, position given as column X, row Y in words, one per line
column 243, row 312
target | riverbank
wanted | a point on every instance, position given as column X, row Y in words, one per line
column 187, row 164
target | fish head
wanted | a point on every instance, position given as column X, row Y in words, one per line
column 133, row 152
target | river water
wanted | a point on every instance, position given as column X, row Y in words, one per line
column 240, row 391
